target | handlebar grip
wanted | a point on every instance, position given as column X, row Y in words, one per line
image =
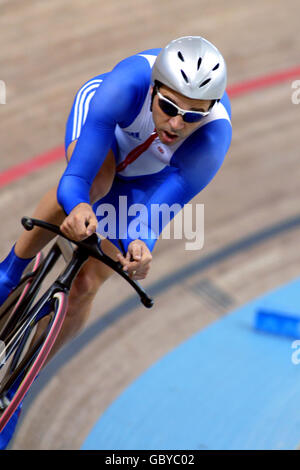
column 147, row 302
column 27, row 223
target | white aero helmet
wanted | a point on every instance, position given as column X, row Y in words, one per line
column 193, row 67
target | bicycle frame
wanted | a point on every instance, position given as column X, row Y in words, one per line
column 25, row 316
column 63, row 284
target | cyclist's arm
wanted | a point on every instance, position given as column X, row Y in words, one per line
column 197, row 161
column 117, row 101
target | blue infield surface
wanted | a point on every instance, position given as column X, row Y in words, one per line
column 230, row 386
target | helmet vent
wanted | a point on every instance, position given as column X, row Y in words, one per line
column 199, row 63
column 205, row 82
column 184, row 76
column 216, row 67
column 180, row 56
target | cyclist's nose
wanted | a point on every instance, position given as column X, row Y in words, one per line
column 176, row 122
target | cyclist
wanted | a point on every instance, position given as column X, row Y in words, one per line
column 155, row 130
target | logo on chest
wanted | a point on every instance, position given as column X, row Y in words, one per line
column 135, row 135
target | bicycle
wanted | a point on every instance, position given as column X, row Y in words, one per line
column 22, row 352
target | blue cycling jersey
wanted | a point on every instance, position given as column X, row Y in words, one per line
column 113, row 111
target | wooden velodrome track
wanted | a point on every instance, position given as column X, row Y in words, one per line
column 48, row 49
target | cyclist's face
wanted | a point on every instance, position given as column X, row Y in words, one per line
column 172, row 129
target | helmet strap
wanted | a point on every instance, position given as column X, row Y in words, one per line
column 154, row 91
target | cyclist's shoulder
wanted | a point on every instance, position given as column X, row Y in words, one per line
column 150, row 55
column 225, row 101
column 211, row 139
column 219, row 118
column 123, row 89
column 136, row 67
column 129, row 80
column 215, row 127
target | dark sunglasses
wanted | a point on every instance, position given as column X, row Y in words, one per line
column 172, row 110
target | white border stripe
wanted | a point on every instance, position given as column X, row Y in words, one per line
column 79, row 113
column 79, row 103
column 87, row 105
column 79, row 93
column 151, row 58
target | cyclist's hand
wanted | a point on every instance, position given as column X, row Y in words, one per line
column 80, row 223
column 137, row 261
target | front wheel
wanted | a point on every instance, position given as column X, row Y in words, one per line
column 37, row 338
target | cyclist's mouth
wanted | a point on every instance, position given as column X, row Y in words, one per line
column 168, row 137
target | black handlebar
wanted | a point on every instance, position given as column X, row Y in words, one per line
column 92, row 247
